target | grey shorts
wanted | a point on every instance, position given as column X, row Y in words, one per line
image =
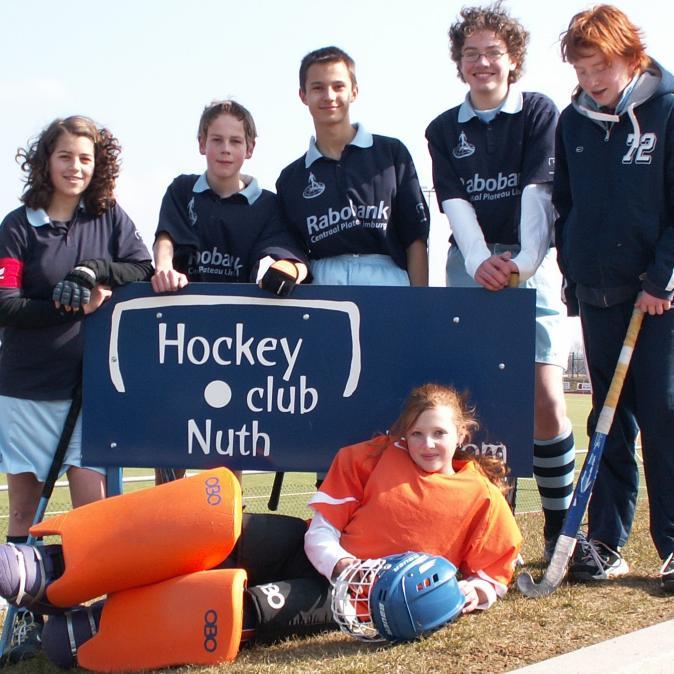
column 552, row 337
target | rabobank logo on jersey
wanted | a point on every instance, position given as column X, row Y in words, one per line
column 334, row 221
column 487, row 189
column 213, row 261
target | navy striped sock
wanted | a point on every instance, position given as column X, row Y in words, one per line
column 554, row 462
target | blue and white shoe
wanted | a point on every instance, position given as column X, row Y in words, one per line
column 25, row 641
column 594, row 560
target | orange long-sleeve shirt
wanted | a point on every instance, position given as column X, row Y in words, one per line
column 383, row 504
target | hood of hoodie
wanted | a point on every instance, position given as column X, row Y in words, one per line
column 654, row 81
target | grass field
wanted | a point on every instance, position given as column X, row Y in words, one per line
column 515, row 632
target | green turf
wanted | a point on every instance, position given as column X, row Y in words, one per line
column 578, row 407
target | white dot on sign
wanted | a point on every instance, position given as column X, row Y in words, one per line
column 218, row 393
column 305, row 317
column 501, row 366
column 456, row 319
column 159, row 315
column 113, row 445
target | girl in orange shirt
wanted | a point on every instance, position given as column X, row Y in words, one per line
column 416, row 489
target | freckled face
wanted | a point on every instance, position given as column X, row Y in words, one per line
column 601, row 79
column 432, row 440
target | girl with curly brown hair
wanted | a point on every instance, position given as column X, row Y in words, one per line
column 61, row 254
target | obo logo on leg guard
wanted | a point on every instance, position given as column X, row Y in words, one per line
column 210, row 630
column 195, row 619
column 213, row 489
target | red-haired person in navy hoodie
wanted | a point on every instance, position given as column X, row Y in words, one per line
column 614, row 191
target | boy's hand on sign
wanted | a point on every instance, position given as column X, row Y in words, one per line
column 168, row 280
column 494, row 272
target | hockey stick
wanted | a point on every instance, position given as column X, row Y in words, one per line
column 47, row 490
column 276, row 491
column 566, row 542
column 511, row 497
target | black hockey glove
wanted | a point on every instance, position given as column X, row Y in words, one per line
column 280, row 279
column 75, row 289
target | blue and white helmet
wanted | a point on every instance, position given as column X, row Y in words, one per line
column 397, row 598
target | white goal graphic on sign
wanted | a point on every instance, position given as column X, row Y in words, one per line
column 349, row 308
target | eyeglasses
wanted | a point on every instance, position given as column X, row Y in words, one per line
column 470, row 55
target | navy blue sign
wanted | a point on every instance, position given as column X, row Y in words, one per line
column 225, row 374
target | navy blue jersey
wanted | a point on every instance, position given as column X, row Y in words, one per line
column 614, row 191
column 367, row 202
column 490, row 164
column 222, row 239
column 43, row 362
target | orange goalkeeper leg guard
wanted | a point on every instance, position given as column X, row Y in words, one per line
column 195, row 619
column 146, row 536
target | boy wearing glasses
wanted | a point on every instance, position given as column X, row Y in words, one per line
column 493, row 162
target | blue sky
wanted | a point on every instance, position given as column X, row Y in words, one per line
column 146, row 69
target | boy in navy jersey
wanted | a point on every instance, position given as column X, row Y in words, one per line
column 614, row 191
column 493, row 159
column 353, row 198
column 221, row 227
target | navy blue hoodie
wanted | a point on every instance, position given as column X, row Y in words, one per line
column 614, row 192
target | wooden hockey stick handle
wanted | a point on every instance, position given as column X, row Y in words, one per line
column 514, row 280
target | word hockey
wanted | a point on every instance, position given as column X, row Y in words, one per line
column 228, row 350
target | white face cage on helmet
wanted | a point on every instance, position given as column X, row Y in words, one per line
column 398, row 598
column 351, row 599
